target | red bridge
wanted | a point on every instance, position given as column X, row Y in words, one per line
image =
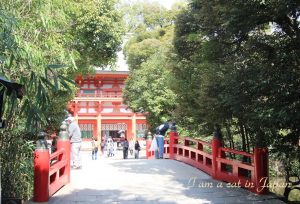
column 218, row 161
column 100, row 179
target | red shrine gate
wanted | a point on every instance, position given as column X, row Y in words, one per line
column 98, row 107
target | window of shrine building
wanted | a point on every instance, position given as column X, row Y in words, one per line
column 88, row 91
column 86, row 130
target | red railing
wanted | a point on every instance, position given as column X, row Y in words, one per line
column 242, row 169
column 100, row 95
column 51, row 171
column 57, row 174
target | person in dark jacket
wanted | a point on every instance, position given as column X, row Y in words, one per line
column 137, row 149
column 125, row 148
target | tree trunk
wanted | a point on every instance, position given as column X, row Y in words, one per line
column 244, row 145
column 247, row 139
column 242, row 132
column 230, row 138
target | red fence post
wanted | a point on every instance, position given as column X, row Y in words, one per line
column 173, row 134
column 63, row 142
column 261, row 170
column 215, row 145
column 148, row 145
column 41, row 170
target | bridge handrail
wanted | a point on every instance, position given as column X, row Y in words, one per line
column 193, row 150
column 57, row 153
column 236, row 163
column 51, row 171
column 56, row 180
column 197, row 141
column 248, row 174
column 224, row 149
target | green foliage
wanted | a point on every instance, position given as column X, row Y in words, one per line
column 97, row 30
column 147, row 90
column 237, row 64
column 147, row 52
column 16, row 165
column 43, row 44
column 140, row 52
column 39, row 51
column 151, row 15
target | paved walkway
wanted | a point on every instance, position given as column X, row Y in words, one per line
column 139, row 181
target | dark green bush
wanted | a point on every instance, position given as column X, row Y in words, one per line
column 16, row 166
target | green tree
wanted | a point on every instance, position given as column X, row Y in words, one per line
column 140, row 52
column 148, row 55
column 147, row 90
column 97, row 31
column 241, row 62
column 43, row 44
column 151, row 15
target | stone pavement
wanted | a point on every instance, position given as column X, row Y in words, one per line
column 138, row 181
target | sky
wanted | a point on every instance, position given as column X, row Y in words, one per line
column 121, row 63
column 167, row 3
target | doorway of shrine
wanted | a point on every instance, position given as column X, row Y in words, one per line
column 117, row 132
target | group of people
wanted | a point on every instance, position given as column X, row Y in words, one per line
column 108, row 146
column 129, row 147
column 75, row 139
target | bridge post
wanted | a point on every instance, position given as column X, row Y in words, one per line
column 148, row 145
column 216, row 144
column 41, row 170
column 261, row 170
column 173, row 134
column 64, row 143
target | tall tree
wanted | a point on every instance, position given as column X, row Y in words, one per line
column 149, row 14
column 147, row 90
column 240, row 60
column 147, row 53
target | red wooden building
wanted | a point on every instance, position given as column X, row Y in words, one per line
column 98, row 107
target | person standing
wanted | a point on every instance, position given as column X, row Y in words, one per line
column 110, row 147
column 125, row 148
column 103, row 145
column 160, row 136
column 94, row 148
column 137, row 149
column 75, row 139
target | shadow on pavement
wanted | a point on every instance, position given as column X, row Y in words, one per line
column 192, row 183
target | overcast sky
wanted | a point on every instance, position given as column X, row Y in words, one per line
column 167, row 3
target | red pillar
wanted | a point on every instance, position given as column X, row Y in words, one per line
column 215, row 145
column 63, row 142
column 173, row 134
column 41, row 175
column 261, row 170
